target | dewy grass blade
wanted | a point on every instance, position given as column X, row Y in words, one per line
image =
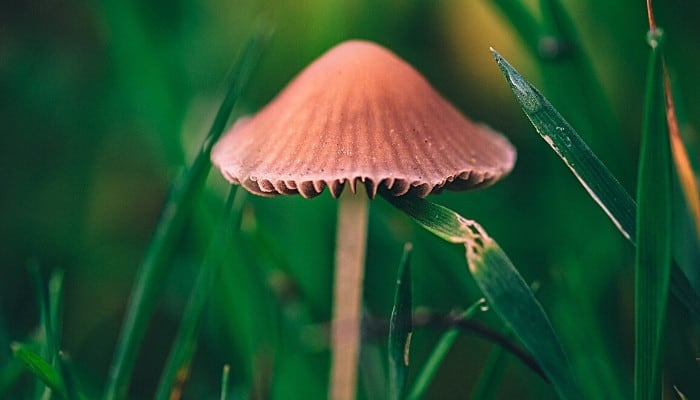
column 181, row 198
column 184, row 345
column 40, row 368
column 505, row 290
column 443, row 346
column 593, row 175
column 568, row 67
column 653, row 257
column 561, row 137
column 400, row 327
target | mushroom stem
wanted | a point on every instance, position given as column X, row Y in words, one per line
column 351, row 239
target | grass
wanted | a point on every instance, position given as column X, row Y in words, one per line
column 249, row 292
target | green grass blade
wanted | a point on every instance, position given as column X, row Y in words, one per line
column 554, row 41
column 40, row 368
column 439, row 220
column 570, row 66
column 654, row 233
column 593, row 175
column 511, row 298
column 48, row 297
column 600, row 183
column 177, row 208
column 680, row 394
column 443, row 346
column 226, row 371
column 505, row 290
column 487, row 384
column 400, row 327
column 73, row 390
column 683, row 166
column 184, row 344
column 45, row 347
column 55, row 290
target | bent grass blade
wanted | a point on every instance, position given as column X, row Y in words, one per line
column 505, row 290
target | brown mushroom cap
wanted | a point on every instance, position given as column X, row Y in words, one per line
column 361, row 113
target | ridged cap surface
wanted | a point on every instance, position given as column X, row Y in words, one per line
column 361, row 113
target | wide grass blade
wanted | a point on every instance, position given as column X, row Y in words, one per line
column 653, row 257
column 40, row 368
column 588, row 169
column 443, row 346
column 593, row 175
column 400, row 327
column 505, row 290
column 184, row 345
column 176, row 210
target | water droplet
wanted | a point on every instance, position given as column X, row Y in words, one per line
column 525, row 94
column 483, row 305
column 566, row 140
column 654, row 37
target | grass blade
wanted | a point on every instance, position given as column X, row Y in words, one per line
column 593, row 175
column 504, row 288
column 69, row 377
column 45, row 347
column 177, row 208
column 487, row 384
column 55, row 290
column 684, row 168
column 654, row 233
column 561, row 137
column 443, row 346
column 400, row 327
column 185, row 342
column 224, row 382
column 39, row 368
column 48, row 299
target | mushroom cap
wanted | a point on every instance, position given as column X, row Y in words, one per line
column 361, row 113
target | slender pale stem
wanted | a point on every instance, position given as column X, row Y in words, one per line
column 351, row 241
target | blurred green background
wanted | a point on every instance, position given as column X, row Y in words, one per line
column 103, row 103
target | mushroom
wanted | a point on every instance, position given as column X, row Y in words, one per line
column 359, row 114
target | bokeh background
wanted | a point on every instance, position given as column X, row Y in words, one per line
column 103, row 103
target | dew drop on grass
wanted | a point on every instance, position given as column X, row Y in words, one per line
column 526, row 95
column 566, row 140
column 483, row 305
